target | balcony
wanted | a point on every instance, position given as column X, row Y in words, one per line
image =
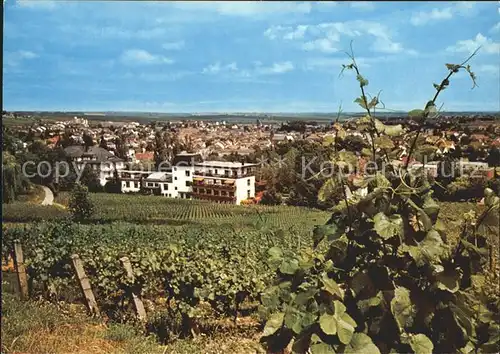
column 214, row 197
column 223, row 175
column 224, row 187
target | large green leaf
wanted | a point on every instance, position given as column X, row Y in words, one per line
column 361, row 344
column 322, row 348
column 275, row 252
column 432, row 247
column 348, row 158
column 331, row 286
column 289, row 266
column 448, row 280
column 388, row 226
column 328, row 324
column 339, row 308
column 298, row 320
column 421, row 344
column 430, row 207
column 402, row 308
column 273, row 324
column 327, row 190
column 382, row 181
column 345, row 331
column 330, row 231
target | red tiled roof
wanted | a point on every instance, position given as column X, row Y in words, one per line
column 145, row 156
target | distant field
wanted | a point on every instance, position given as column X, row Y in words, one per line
column 164, row 211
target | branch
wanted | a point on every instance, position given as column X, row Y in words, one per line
column 444, row 83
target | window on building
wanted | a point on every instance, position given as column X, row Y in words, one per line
column 136, row 184
column 166, row 186
column 248, row 182
column 215, row 171
column 175, row 188
column 188, row 173
column 188, row 183
column 248, row 193
column 216, row 192
column 175, row 178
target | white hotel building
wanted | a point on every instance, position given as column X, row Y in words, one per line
column 190, row 177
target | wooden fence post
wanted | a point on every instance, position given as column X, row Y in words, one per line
column 20, row 270
column 139, row 306
column 85, row 287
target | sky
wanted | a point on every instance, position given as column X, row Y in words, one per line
column 245, row 56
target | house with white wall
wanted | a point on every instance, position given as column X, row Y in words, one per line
column 190, row 177
column 223, row 181
column 100, row 160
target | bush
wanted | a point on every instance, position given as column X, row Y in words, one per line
column 271, row 198
column 80, row 205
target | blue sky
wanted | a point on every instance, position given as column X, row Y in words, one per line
column 244, row 56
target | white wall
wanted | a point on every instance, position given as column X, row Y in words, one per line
column 179, row 179
column 168, row 190
column 131, row 186
column 242, row 187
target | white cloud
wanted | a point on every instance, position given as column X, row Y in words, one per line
column 258, row 69
column 15, row 58
column 174, row 45
column 36, row 4
column 440, row 14
column 470, row 45
column 325, row 5
column 218, row 68
column 487, row 69
column 496, row 28
column 363, row 5
column 276, row 68
column 324, row 37
column 422, row 18
column 324, row 45
column 245, row 8
column 110, row 32
column 140, row 57
column 298, row 33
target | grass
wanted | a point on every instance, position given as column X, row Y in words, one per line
column 37, row 327
column 158, row 210
column 43, row 327
column 35, row 196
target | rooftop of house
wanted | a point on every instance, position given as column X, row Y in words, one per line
column 100, row 154
column 224, row 164
column 159, row 176
column 186, row 159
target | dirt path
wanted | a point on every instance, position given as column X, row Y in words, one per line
column 49, row 196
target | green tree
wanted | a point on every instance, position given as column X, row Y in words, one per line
column 380, row 277
column 80, row 204
column 14, row 183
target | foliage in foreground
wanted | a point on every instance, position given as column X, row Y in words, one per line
column 41, row 327
column 80, row 205
column 388, row 281
column 182, row 272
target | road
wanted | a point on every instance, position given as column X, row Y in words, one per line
column 49, row 196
